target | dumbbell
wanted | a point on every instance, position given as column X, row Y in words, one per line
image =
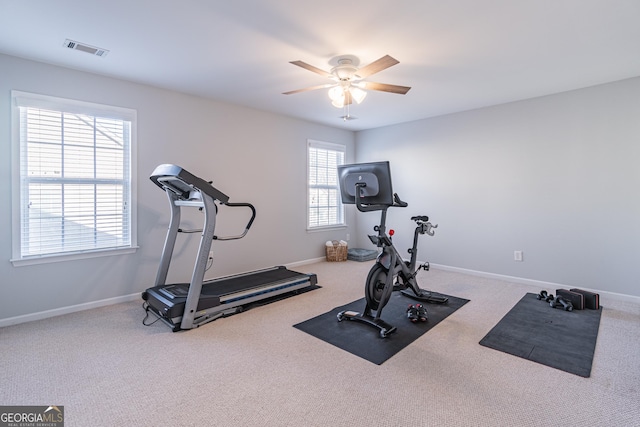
column 543, row 295
column 559, row 301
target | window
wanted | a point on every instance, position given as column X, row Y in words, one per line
column 72, row 170
column 324, row 206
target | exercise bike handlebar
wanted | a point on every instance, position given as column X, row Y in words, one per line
column 247, row 227
column 397, row 202
column 427, row 228
column 377, row 207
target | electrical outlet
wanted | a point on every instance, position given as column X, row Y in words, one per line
column 348, row 237
column 517, row 255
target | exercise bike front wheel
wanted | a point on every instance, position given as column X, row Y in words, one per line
column 376, row 281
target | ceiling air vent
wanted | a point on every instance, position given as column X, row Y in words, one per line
column 85, row 48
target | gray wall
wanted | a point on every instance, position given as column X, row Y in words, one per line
column 556, row 177
column 250, row 155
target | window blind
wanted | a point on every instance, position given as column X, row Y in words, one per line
column 324, row 205
column 75, row 180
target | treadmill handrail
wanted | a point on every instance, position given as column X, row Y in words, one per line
column 199, row 230
column 247, row 227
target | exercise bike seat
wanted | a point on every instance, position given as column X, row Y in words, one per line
column 420, row 218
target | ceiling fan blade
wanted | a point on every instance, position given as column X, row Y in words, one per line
column 311, row 68
column 401, row 90
column 307, row 89
column 377, row 66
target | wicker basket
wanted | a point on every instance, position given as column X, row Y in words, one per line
column 336, row 252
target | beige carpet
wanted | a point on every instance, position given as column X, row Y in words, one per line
column 255, row 369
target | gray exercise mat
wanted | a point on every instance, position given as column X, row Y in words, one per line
column 564, row 340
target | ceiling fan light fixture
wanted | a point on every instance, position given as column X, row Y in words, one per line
column 357, row 94
column 336, row 94
column 345, row 70
column 348, row 85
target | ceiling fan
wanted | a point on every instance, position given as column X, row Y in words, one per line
column 347, row 80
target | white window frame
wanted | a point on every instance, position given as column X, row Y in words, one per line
column 25, row 99
column 341, row 222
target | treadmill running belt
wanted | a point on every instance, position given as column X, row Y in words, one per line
column 226, row 286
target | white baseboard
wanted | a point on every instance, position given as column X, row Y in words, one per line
column 95, row 304
column 66, row 310
column 539, row 284
column 305, row 262
column 536, row 285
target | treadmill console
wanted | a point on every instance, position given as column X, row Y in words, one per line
column 183, row 183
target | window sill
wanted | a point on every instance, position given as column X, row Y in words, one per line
column 46, row 259
column 327, row 228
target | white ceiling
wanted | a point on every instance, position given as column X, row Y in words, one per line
column 455, row 54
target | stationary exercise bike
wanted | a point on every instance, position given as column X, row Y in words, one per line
column 390, row 272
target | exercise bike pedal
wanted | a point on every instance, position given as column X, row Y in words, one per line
column 399, row 286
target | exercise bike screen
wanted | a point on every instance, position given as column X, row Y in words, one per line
column 377, row 179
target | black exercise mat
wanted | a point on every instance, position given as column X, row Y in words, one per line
column 564, row 340
column 364, row 340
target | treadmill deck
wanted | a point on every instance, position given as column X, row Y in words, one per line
column 222, row 294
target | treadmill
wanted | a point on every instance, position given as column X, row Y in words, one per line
column 186, row 306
